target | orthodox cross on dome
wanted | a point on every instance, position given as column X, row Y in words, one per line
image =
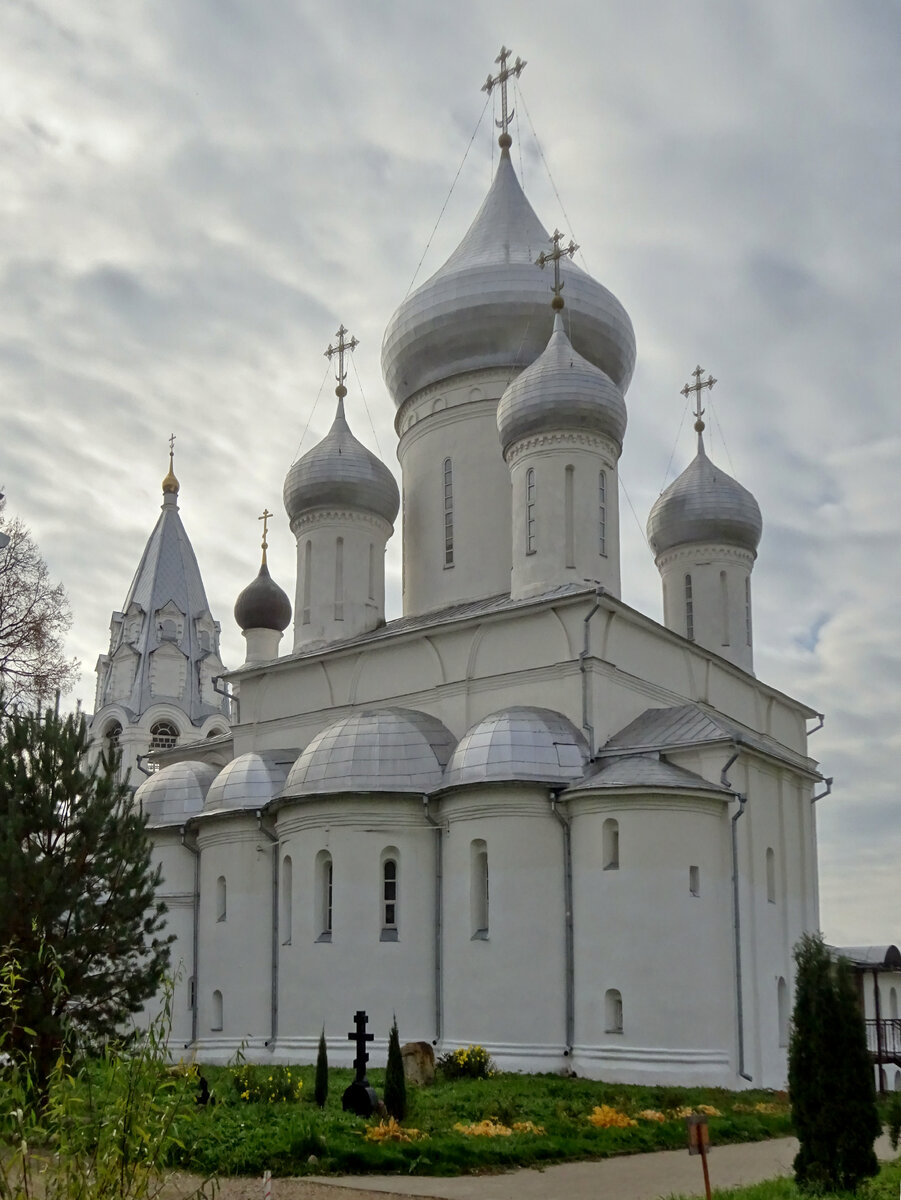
column 343, row 347
column 360, row 1037
column 555, row 256
column 264, row 517
column 697, row 387
column 171, row 444
column 170, row 483
column 504, row 141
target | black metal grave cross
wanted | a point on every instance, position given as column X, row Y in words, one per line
column 361, row 1037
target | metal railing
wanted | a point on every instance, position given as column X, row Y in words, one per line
column 884, row 1040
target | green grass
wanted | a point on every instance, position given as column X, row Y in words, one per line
column 240, row 1138
column 885, row 1186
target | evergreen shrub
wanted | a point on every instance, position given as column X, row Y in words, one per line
column 395, row 1082
column 320, row 1087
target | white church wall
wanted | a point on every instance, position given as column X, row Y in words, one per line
column 177, row 892
column 458, row 423
column 640, row 930
column 333, row 967
column 504, row 982
column 235, row 959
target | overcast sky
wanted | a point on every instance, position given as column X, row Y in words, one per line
column 196, row 193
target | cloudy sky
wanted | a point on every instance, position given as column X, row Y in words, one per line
column 195, row 193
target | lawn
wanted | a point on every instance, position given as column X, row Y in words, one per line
column 885, row 1186
column 507, row 1120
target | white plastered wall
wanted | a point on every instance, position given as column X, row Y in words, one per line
column 721, row 611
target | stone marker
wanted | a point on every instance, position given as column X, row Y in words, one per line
column 419, row 1063
column 360, row 1097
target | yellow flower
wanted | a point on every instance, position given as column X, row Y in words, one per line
column 528, row 1127
column 605, row 1117
column 651, row 1114
column 708, row 1110
column 486, row 1128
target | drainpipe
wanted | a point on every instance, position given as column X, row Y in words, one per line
column 827, row 791
column 583, row 668
column 439, row 901
column 230, row 697
column 195, row 938
column 736, row 915
column 273, row 1007
column 570, row 990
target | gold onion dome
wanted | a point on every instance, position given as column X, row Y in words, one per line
column 170, row 483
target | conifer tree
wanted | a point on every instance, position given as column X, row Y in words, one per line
column 320, row 1087
column 395, row 1082
column 77, row 890
column 830, row 1076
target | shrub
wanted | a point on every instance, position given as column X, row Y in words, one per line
column 320, row 1087
column 469, row 1062
column 894, row 1119
column 266, row 1085
column 605, row 1117
column 395, row 1083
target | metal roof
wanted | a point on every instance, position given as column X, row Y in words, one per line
column 263, row 604
column 704, row 505
column 249, row 781
column 644, row 771
column 340, row 471
column 561, row 390
column 888, row 958
column 519, row 743
column 176, row 793
column 373, row 750
column 488, row 306
column 689, row 725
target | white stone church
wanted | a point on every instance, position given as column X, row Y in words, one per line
column 522, row 814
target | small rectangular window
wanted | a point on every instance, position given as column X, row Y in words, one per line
column 689, row 611
column 448, row 513
column 530, row 511
column 602, row 513
column 694, row 880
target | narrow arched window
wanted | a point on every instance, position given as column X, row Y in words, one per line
column 897, row 1083
column 748, row 609
column 217, row 1014
column 163, row 735
column 724, row 607
column 339, row 579
column 611, row 845
column 893, row 1004
column 389, row 896
column 694, row 880
column 782, row 1006
column 287, row 888
column 307, row 581
column 111, row 736
column 771, row 875
column 371, row 571
column 613, row 1010
column 568, row 515
column 221, row 898
column 530, row 511
column 602, row 513
column 323, row 898
column 689, row 611
column 478, row 888
column 448, row 513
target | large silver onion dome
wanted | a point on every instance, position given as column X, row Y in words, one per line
column 561, row 390
column 516, row 744
column 249, row 781
column 488, row 305
column 341, row 472
column 263, row 604
column 374, row 750
column 172, row 795
column 704, row 505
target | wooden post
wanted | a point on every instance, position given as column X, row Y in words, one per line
column 697, row 1143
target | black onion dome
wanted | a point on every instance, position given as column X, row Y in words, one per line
column 263, row 604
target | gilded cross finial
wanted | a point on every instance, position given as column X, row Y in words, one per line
column 555, row 256
column 264, row 517
column 505, row 73
column 170, row 483
column 343, row 347
column 697, row 387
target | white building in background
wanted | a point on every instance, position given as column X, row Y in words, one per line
column 522, row 814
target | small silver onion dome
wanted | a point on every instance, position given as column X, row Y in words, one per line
column 341, row 472
column 175, row 793
column 263, row 604
column 249, row 781
column 374, row 750
column 519, row 744
column 561, row 390
column 488, row 305
column 704, row 505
